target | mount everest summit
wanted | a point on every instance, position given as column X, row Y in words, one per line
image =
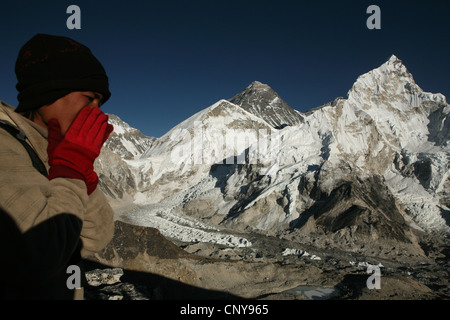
column 367, row 168
column 260, row 100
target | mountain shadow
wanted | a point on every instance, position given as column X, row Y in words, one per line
column 33, row 263
column 151, row 286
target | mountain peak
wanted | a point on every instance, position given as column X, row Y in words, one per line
column 389, row 79
column 394, row 64
column 261, row 100
column 259, row 86
column 127, row 141
column 394, row 59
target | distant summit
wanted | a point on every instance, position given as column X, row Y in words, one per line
column 261, row 100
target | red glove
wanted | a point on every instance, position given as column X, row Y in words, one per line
column 73, row 155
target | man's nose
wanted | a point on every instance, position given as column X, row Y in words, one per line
column 95, row 103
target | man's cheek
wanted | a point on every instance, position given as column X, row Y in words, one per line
column 65, row 125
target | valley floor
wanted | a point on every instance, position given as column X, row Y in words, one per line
column 271, row 268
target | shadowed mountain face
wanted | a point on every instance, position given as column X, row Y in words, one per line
column 262, row 101
column 365, row 209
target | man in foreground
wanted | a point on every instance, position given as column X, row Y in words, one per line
column 52, row 213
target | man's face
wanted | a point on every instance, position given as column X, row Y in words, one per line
column 67, row 108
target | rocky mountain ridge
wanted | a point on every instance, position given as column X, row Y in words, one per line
column 126, row 141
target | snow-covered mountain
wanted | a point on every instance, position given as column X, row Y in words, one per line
column 219, row 134
column 372, row 166
column 126, row 141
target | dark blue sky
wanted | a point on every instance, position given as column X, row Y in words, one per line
column 167, row 60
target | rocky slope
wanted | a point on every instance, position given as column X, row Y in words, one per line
column 141, row 264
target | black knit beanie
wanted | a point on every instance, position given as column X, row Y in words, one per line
column 50, row 67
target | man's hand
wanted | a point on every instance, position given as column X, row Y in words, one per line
column 73, row 155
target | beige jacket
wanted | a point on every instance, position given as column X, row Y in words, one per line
column 30, row 198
